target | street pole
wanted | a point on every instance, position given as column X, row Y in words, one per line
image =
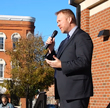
column 27, row 96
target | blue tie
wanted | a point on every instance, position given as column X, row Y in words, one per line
column 66, row 40
column 68, row 36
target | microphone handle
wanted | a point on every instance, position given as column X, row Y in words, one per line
column 53, row 35
column 46, row 46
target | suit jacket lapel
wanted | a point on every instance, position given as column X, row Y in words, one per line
column 61, row 51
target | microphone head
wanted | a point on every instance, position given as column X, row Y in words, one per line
column 54, row 33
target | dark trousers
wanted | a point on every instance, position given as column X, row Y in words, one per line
column 79, row 103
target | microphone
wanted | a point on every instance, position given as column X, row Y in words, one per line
column 53, row 35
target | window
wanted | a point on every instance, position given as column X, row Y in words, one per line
column 2, row 65
column 14, row 41
column 14, row 64
column 2, row 41
column 1, row 70
column 15, row 38
column 29, row 35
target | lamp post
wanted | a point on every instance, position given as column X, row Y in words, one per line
column 27, row 96
column 76, row 3
column 11, row 90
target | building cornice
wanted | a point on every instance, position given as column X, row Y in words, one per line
column 95, row 6
column 17, row 18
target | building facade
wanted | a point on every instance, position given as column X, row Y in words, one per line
column 11, row 29
column 95, row 17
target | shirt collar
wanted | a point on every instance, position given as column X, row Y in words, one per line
column 72, row 31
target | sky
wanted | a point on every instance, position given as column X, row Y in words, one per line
column 42, row 10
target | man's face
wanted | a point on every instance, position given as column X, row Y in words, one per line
column 63, row 22
column 4, row 100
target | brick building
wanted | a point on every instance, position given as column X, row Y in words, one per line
column 11, row 29
column 95, row 17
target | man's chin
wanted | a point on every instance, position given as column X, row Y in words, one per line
column 63, row 31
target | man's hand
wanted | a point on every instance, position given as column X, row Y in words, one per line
column 51, row 42
column 54, row 63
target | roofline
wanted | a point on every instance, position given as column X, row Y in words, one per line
column 17, row 18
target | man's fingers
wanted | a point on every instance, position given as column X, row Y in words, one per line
column 54, row 57
column 47, row 60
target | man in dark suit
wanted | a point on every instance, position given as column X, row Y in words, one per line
column 72, row 63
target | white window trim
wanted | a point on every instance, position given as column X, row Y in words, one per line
column 16, row 35
column 4, row 37
column 2, row 61
column 29, row 33
column 2, row 90
column 2, row 79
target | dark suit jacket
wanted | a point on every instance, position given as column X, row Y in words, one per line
column 74, row 79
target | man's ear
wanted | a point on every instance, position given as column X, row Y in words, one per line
column 70, row 19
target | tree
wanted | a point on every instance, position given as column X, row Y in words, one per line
column 29, row 69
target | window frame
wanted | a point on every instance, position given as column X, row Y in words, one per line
column 16, row 35
column 2, row 61
column 29, row 34
column 2, row 35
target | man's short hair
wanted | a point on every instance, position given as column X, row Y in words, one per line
column 69, row 13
